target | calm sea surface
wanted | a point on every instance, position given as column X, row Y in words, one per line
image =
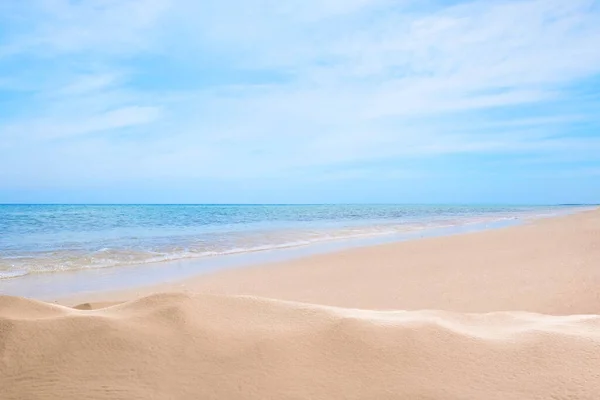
column 52, row 238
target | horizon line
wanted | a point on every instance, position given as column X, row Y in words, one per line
column 297, row 204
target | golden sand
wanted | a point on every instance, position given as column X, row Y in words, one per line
column 180, row 346
column 214, row 343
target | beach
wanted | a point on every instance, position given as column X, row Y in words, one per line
column 545, row 266
column 509, row 313
column 299, row 200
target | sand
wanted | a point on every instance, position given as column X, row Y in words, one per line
column 518, row 319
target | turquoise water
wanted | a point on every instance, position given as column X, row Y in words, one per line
column 53, row 238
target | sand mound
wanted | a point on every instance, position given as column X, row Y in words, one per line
column 178, row 346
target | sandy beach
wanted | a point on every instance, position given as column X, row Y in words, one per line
column 510, row 313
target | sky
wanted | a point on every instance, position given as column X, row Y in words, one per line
column 300, row 101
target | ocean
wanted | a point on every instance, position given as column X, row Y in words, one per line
column 36, row 239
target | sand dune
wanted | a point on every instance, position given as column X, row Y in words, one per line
column 183, row 346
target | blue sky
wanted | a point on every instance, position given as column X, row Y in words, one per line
column 300, row 101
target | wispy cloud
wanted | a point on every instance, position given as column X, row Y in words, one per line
column 97, row 28
column 246, row 89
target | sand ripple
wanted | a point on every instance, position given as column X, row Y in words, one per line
column 181, row 346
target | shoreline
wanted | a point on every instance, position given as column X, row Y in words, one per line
column 100, row 280
column 527, row 267
column 61, row 284
column 70, row 239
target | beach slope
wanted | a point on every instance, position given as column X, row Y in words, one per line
column 546, row 266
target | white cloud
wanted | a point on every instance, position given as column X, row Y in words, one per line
column 88, row 83
column 102, row 27
column 28, row 133
column 362, row 80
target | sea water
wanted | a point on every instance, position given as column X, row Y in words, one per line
column 37, row 239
